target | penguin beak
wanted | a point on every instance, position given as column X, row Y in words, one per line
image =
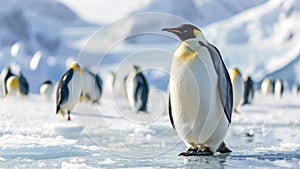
column 172, row 30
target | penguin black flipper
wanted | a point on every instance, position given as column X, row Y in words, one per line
column 99, row 83
column 170, row 113
column 224, row 83
column 24, row 86
column 62, row 92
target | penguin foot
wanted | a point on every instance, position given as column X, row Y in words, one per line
column 197, row 153
column 223, row 149
column 236, row 111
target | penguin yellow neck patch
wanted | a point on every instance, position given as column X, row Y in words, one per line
column 184, row 53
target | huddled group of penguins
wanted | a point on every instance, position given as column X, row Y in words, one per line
column 202, row 93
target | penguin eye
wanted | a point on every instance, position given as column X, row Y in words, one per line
column 185, row 31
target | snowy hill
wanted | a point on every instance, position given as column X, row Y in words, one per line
column 198, row 12
column 33, row 38
column 249, row 34
column 256, row 37
column 286, row 67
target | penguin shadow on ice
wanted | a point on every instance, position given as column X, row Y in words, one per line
column 137, row 90
column 201, row 96
column 69, row 90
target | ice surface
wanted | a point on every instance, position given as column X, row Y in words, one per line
column 264, row 135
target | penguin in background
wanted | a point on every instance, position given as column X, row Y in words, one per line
column 69, row 90
column 201, row 97
column 92, row 86
column 13, row 86
column 5, row 74
column 248, row 90
column 278, row 88
column 46, row 89
column 238, row 87
column 22, row 82
column 137, row 90
column 295, row 89
column 267, row 86
column 110, row 82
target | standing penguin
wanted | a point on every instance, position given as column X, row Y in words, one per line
column 248, row 90
column 24, row 86
column 92, row 86
column 5, row 74
column 201, row 98
column 13, row 86
column 295, row 89
column 266, row 86
column 238, row 87
column 69, row 90
column 137, row 90
column 46, row 89
column 278, row 88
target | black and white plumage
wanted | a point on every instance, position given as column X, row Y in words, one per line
column 237, row 86
column 278, row 88
column 24, row 85
column 69, row 90
column 22, row 81
column 13, row 86
column 92, row 86
column 201, row 97
column 5, row 74
column 46, row 89
column 137, row 89
column 249, row 90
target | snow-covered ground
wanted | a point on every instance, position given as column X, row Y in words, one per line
column 264, row 135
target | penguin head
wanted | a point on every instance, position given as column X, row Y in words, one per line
column 184, row 31
column 75, row 66
column 136, row 68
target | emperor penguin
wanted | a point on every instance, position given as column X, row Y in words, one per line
column 5, row 74
column 46, row 89
column 237, row 86
column 92, row 86
column 278, row 88
column 13, row 86
column 69, row 90
column 24, row 85
column 295, row 89
column 248, row 94
column 266, row 86
column 200, row 93
column 137, row 90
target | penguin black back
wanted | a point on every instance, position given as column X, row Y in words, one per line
column 248, row 90
column 24, row 86
column 6, row 73
column 62, row 92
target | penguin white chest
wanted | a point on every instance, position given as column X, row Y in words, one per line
column 197, row 111
column 75, row 88
column 131, row 87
